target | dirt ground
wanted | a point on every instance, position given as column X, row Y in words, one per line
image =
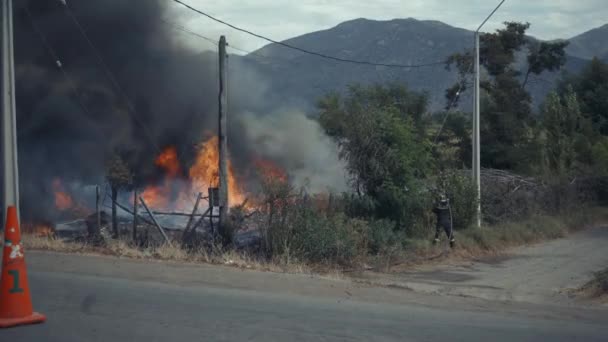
column 546, row 272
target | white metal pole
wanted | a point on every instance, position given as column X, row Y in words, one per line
column 476, row 109
column 9, row 117
column 476, row 146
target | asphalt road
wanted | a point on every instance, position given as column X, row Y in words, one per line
column 107, row 299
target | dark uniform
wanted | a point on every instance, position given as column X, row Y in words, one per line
column 444, row 220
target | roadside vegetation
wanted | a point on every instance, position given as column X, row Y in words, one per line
column 545, row 172
column 597, row 288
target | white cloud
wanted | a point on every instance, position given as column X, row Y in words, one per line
column 280, row 20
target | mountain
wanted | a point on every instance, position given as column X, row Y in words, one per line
column 297, row 79
column 300, row 79
column 593, row 43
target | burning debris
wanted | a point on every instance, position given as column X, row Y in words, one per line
column 38, row 229
column 177, row 190
column 168, row 204
column 64, row 202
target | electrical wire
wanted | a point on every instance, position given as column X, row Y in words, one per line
column 318, row 54
column 183, row 29
column 215, row 43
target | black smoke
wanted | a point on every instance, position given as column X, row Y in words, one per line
column 69, row 123
column 71, row 119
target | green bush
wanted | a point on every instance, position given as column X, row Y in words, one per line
column 383, row 238
column 463, row 198
column 335, row 239
column 296, row 229
column 380, row 135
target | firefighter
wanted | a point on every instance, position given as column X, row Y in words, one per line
column 444, row 219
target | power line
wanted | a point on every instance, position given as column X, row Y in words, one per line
column 214, row 42
column 338, row 59
column 183, row 29
column 210, row 40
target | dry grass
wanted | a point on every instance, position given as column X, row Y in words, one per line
column 49, row 244
column 475, row 243
column 123, row 249
column 471, row 243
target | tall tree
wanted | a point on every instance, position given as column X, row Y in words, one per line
column 452, row 148
column 506, row 105
column 591, row 86
column 561, row 118
column 375, row 128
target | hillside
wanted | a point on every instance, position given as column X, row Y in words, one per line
column 593, row 43
column 298, row 79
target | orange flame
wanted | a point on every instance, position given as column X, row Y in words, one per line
column 168, row 161
column 39, row 230
column 155, row 196
column 203, row 174
column 158, row 196
column 270, row 170
column 63, row 201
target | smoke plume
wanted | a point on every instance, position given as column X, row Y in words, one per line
column 297, row 143
column 70, row 121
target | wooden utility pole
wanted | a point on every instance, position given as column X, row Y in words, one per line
column 222, row 134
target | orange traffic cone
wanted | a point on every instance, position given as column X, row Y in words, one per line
column 15, row 299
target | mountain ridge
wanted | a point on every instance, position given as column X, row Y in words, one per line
column 298, row 79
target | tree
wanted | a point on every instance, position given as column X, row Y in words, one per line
column 376, row 131
column 453, row 145
column 506, row 105
column 591, row 86
column 561, row 121
column 567, row 148
column 119, row 176
column 545, row 56
column 600, row 157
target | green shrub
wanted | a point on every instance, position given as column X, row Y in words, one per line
column 319, row 238
column 383, row 237
column 295, row 228
column 463, row 198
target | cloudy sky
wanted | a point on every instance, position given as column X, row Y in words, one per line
column 282, row 19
